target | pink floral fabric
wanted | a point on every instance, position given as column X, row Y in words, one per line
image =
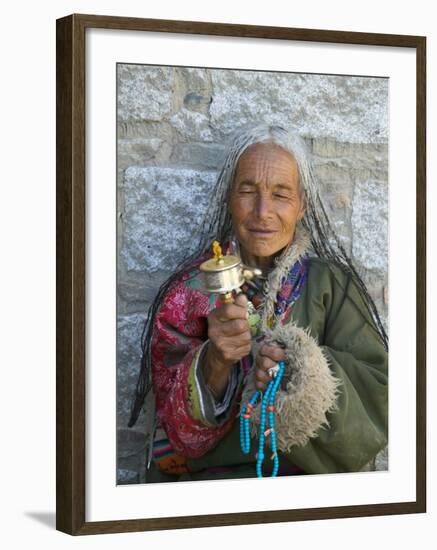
column 180, row 329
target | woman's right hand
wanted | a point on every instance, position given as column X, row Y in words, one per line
column 229, row 341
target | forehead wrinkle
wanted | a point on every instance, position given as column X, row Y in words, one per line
column 268, row 172
column 267, row 182
column 260, row 166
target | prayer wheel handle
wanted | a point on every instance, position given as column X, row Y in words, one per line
column 227, row 298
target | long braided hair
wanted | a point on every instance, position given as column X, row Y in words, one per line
column 217, row 225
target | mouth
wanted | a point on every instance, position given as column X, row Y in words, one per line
column 261, row 232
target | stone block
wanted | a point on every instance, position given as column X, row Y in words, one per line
column 370, row 225
column 139, row 151
column 146, row 129
column 369, row 161
column 195, row 79
column 192, row 125
column 129, row 330
column 137, row 289
column 144, row 92
column 194, row 89
column 349, row 109
column 164, row 208
column 199, row 155
column 386, row 295
column 196, row 102
column 127, row 477
column 130, row 442
column 332, row 148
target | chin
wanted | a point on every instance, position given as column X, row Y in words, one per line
column 263, row 250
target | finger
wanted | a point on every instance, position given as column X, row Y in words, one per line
column 273, row 352
column 260, row 385
column 265, row 363
column 262, row 377
column 241, row 353
column 270, row 347
column 228, row 312
column 235, row 354
column 235, row 327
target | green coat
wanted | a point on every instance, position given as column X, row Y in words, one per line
column 338, row 324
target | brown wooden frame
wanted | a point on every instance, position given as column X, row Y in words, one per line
column 70, row 274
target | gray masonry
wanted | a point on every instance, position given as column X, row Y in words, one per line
column 174, row 125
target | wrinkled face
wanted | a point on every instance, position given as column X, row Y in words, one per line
column 265, row 201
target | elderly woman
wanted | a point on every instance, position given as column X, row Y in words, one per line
column 309, row 309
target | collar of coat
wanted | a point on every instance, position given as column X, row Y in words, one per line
column 283, row 264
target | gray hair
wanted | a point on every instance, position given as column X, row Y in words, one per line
column 217, row 225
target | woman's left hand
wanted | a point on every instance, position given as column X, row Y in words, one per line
column 268, row 357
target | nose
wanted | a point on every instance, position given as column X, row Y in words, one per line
column 263, row 206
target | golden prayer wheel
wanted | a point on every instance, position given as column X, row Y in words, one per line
column 224, row 274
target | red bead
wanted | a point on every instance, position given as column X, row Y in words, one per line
column 247, row 416
column 271, row 408
column 250, row 406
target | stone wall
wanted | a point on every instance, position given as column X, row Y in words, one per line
column 174, row 125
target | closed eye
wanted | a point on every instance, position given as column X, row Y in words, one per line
column 280, row 196
column 246, row 189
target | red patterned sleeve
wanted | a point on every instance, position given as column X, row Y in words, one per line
column 179, row 331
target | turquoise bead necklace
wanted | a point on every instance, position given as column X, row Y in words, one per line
column 267, row 406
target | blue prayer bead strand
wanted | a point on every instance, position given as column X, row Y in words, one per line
column 243, row 442
column 244, row 425
column 268, row 399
